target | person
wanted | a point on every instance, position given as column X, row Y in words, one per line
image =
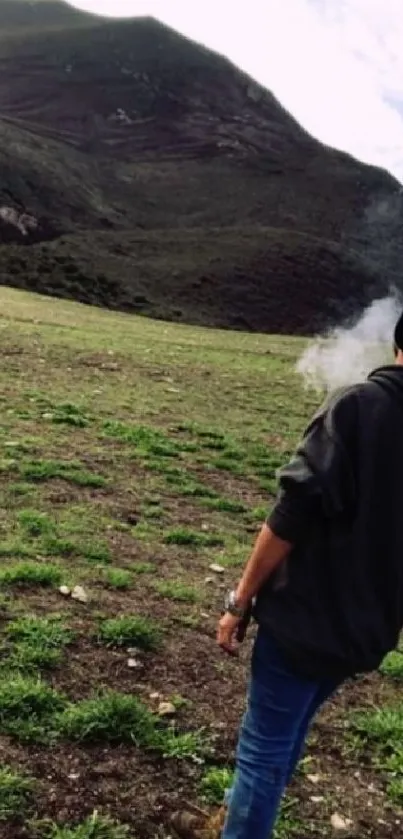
column 326, row 580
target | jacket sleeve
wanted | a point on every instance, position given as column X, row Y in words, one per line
column 320, row 478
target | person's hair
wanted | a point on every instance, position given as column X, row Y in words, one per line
column 398, row 336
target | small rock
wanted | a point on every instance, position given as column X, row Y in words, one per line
column 47, row 416
column 204, row 615
column 313, row 779
column 80, row 594
column 209, row 580
column 317, row 799
column 218, row 569
column 166, row 709
column 133, row 663
column 74, row 776
column 339, row 823
column 65, row 591
column 154, row 696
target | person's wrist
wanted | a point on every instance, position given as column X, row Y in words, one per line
column 233, row 606
column 242, row 599
column 236, row 606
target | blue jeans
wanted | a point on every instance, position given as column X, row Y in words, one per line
column 281, row 706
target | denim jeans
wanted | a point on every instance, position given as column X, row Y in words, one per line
column 281, row 706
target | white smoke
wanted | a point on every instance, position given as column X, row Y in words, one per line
column 347, row 354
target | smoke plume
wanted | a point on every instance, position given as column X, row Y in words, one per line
column 347, row 354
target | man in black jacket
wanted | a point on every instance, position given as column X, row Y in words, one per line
column 326, row 580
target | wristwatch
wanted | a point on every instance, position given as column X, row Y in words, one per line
column 233, row 607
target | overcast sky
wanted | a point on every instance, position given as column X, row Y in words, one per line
column 337, row 65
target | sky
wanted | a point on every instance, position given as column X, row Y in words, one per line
column 336, row 65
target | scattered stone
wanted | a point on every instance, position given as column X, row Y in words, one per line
column 74, row 776
column 155, row 696
column 65, row 591
column 204, row 615
column 313, row 779
column 109, row 769
column 134, row 664
column 110, row 365
column 47, row 416
column 218, row 569
column 80, row 594
column 166, row 709
column 317, row 799
column 339, row 823
column 209, row 580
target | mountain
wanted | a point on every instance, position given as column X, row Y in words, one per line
column 141, row 171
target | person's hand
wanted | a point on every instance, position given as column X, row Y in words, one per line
column 227, row 634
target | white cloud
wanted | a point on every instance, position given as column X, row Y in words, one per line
column 337, row 65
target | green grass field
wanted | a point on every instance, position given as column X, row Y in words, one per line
column 133, row 456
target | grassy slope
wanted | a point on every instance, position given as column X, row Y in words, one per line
column 133, row 455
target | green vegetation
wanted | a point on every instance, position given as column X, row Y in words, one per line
column 71, row 472
column 95, row 827
column 36, row 643
column 192, row 538
column 393, row 666
column 130, row 630
column 117, row 578
column 145, row 441
column 74, row 693
column 214, row 784
column 120, row 718
column 15, row 793
column 176, row 590
column 31, row 574
column 69, row 414
column 27, row 708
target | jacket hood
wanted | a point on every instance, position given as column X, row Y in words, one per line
column 390, row 379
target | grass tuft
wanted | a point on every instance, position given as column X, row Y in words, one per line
column 94, row 827
column 15, row 793
column 175, row 590
column 146, row 441
column 31, row 574
column 186, row 537
column 74, row 473
column 117, row 578
column 70, row 414
column 38, row 642
column 393, row 666
column 215, row 783
column 130, row 630
column 35, row 524
column 27, row 708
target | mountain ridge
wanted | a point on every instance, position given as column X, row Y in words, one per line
column 123, row 135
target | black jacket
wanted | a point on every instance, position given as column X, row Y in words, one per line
column 336, row 605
